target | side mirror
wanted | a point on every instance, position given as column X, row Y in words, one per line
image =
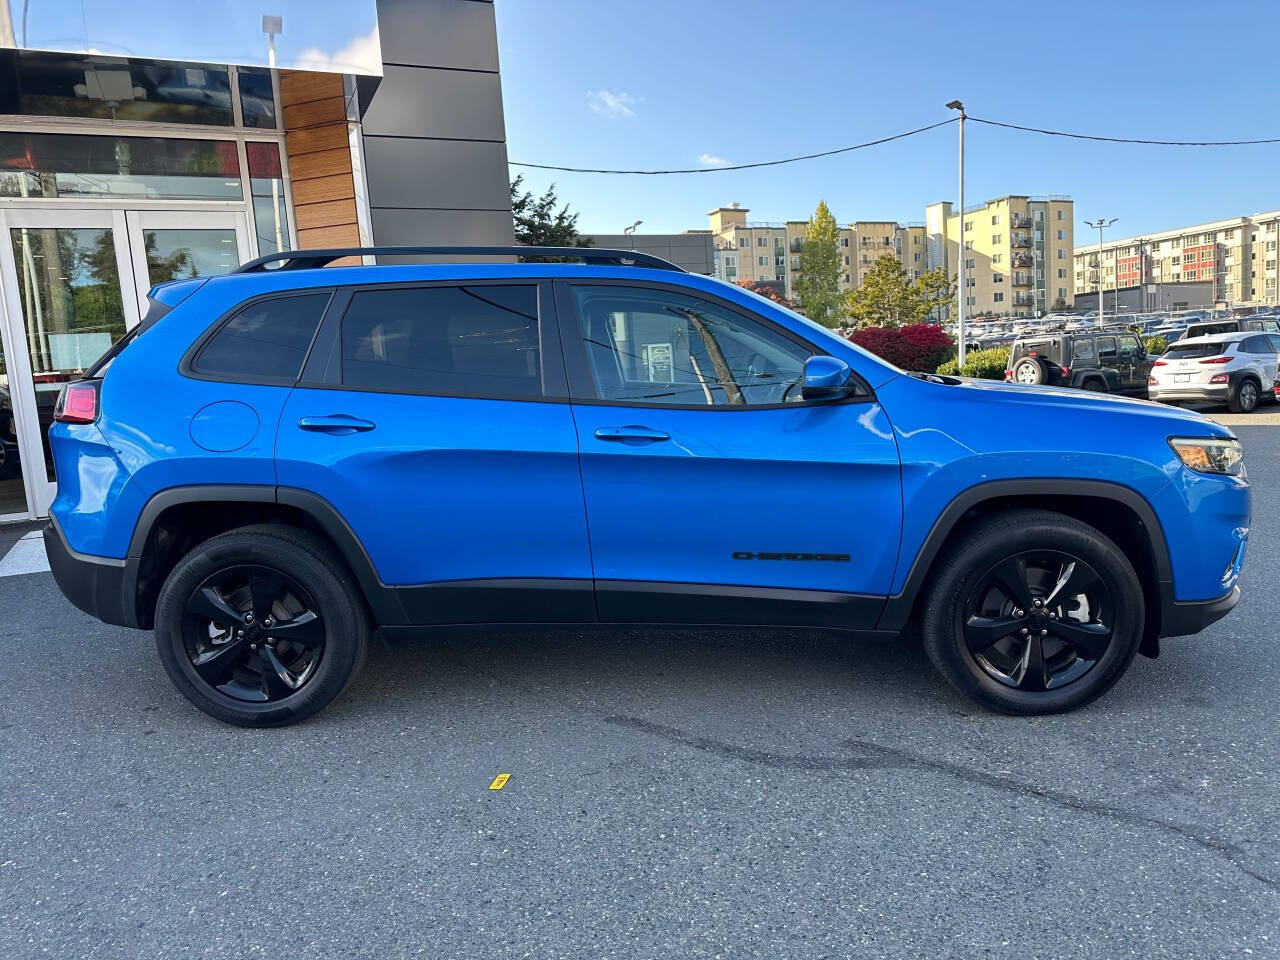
column 827, row 378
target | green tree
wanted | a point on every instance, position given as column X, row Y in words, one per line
column 818, row 286
column 538, row 222
column 938, row 291
column 886, row 297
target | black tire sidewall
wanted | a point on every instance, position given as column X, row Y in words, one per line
column 983, row 549
column 1241, row 408
column 344, row 628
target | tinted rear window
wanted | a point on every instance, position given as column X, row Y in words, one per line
column 267, row 340
column 459, row 341
column 1193, row 351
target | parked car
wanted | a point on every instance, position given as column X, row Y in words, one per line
column 1238, row 369
column 345, row 448
column 1213, row 328
column 9, row 465
column 1110, row 360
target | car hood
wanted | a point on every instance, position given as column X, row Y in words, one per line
column 1068, row 399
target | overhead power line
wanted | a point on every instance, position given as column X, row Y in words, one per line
column 901, row 136
column 742, row 166
column 1156, row 143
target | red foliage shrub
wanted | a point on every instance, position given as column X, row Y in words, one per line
column 921, row 346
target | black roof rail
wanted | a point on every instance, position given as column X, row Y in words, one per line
column 308, row 259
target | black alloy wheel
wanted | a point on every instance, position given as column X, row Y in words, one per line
column 1030, row 611
column 1038, row 620
column 253, row 633
column 262, row 625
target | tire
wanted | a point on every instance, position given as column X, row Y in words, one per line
column 1029, row 371
column 279, row 571
column 1094, row 385
column 1244, row 398
column 962, row 583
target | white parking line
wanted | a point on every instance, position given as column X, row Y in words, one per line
column 26, row 556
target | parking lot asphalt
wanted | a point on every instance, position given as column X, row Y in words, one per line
column 700, row 794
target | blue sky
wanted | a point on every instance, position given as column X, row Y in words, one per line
column 663, row 84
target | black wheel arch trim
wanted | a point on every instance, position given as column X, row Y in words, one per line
column 898, row 607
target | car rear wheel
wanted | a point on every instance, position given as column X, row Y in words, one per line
column 1244, row 398
column 1030, row 371
column 261, row 626
column 1095, row 385
column 1033, row 612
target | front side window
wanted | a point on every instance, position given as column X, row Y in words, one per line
column 1129, row 347
column 1083, row 350
column 661, row 347
column 1107, row 349
column 473, row 341
column 267, row 340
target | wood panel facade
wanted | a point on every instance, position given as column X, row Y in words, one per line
column 316, row 140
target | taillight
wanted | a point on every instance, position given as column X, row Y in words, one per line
column 1161, row 363
column 1152, row 382
column 1219, row 378
column 1066, row 371
column 1008, row 374
column 78, row 403
column 1218, row 360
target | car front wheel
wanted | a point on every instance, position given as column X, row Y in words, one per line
column 261, row 626
column 1033, row 612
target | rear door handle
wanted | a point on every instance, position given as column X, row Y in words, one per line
column 339, row 424
column 631, row 432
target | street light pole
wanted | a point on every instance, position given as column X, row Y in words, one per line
column 1099, row 224
column 631, row 232
column 963, row 290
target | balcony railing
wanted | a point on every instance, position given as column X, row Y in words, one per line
column 1019, row 222
column 796, row 244
column 1023, row 301
column 1022, row 259
column 1021, row 241
column 1022, row 279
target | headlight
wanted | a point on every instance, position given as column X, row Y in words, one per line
column 1209, row 455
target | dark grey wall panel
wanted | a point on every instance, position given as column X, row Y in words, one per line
column 459, row 34
column 463, row 174
column 422, row 102
column 441, row 227
column 435, row 151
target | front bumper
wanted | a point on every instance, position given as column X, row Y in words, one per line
column 1180, row 619
column 97, row 585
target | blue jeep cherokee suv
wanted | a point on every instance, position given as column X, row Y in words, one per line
column 277, row 462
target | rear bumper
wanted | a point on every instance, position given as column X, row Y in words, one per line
column 1180, row 619
column 96, row 585
column 1210, row 393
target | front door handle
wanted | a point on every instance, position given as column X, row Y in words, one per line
column 631, row 432
column 338, row 424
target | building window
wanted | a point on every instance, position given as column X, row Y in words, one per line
column 995, row 220
column 1062, row 234
column 997, row 258
column 997, row 239
column 998, row 297
column 70, row 165
column 762, row 261
column 1060, row 217
column 844, row 241
column 762, row 241
column 997, row 278
column 968, row 244
column 1062, row 254
column 968, row 226
column 108, row 88
column 266, row 184
column 257, row 98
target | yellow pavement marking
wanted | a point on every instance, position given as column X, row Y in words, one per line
column 500, row 781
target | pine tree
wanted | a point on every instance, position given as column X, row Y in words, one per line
column 818, row 286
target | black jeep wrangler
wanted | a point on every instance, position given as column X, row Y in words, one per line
column 1109, row 360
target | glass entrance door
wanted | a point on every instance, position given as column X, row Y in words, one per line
column 173, row 245
column 68, row 295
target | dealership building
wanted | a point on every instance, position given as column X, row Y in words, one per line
column 119, row 172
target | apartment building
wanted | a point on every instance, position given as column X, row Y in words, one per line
column 770, row 252
column 1226, row 262
column 1018, row 253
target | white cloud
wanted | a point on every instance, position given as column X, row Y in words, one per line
column 711, row 160
column 612, row 103
column 361, row 55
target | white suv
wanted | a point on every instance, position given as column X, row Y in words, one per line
column 1238, row 369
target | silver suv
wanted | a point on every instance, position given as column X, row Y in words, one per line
column 1238, row 369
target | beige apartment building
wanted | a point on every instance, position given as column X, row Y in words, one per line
column 770, row 252
column 1225, row 262
column 1018, row 253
